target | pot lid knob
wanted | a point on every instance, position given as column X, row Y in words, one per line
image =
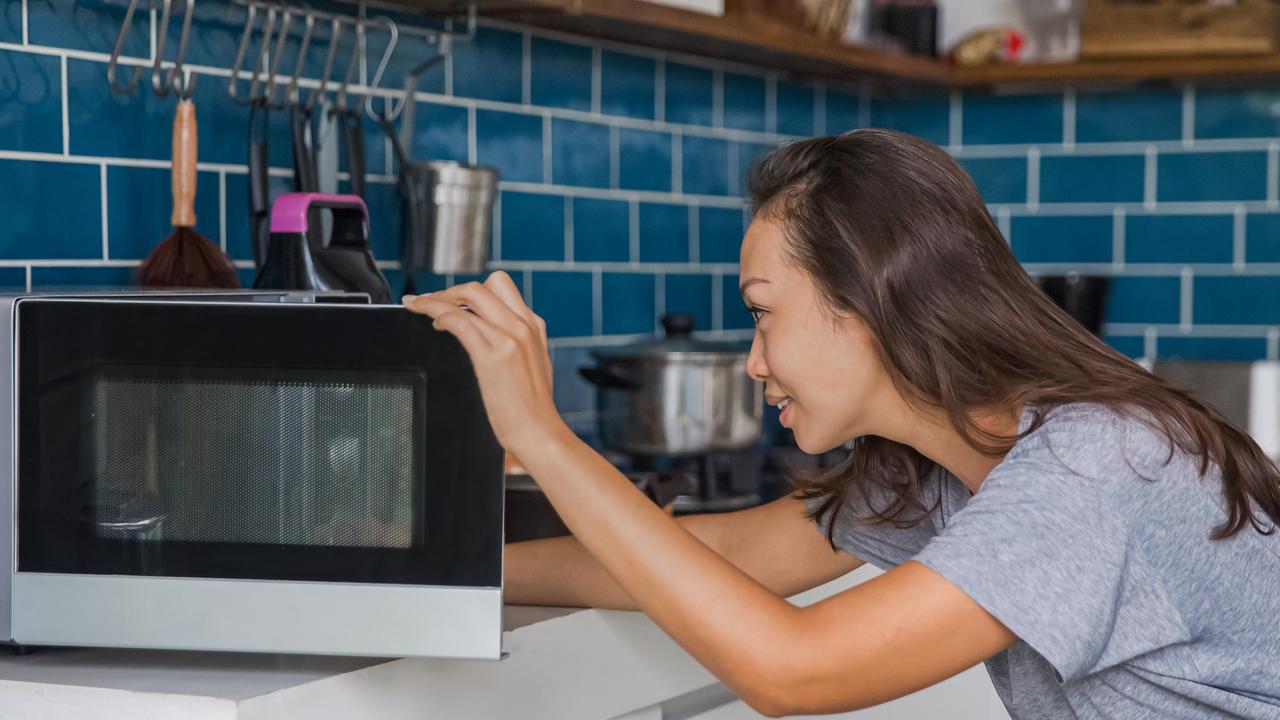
column 678, row 325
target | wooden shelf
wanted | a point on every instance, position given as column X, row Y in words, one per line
column 735, row 37
column 753, row 40
column 1128, row 70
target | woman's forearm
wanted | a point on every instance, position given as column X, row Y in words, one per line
column 559, row 571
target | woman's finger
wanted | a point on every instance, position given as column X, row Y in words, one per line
column 467, row 328
column 429, row 305
column 502, row 286
column 482, row 301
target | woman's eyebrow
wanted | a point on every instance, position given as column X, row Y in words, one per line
column 742, row 289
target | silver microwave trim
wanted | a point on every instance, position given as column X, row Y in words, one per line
column 257, row 616
column 58, row 609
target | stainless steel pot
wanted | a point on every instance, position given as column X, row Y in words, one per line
column 675, row 395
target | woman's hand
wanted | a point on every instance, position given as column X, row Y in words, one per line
column 507, row 343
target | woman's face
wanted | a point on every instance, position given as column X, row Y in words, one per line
column 823, row 369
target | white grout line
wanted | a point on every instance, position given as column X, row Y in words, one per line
column 955, row 121
column 597, row 79
column 660, row 89
column 1033, row 179
column 717, row 98
column 497, row 227
column 615, row 158
column 546, row 149
column 1004, row 224
column 222, row 211
column 771, row 102
column 695, row 241
column 448, row 67
column 677, row 163
column 471, row 136
column 1203, row 331
column 659, row 298
column 526, row 69
column 1188, row 115
column 717, row 301
column 66, row 125
column 26, row 40
column 1117, row 239
column 1124, row 147
column 1273, row 344
column 102, row 198
column 633, row 230
column 1150, row 339
column 1184, row 311
column 568, row 229
column 597, row 302
column 1069, row 118
column 28, row 272
column 153, row 34
column 1238, row 237
column 1149, row 177
column 1273, row 173
column 736, row 187
column 820, row 109
column 527, row 282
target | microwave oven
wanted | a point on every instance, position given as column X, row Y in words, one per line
column 245, row 473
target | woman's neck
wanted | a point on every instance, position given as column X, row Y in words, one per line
column 932, row 435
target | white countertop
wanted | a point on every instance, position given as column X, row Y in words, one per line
column 563, row 663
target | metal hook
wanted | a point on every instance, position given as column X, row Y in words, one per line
column 281, row 39
column 291, row 95
column 164, row 81
column 341, row 101
column 264, row 52
column 335, row 35
column 394, row 112
column 241, row 51
column 119, row 48
column 160, row 82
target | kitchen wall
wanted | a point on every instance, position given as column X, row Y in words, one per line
column 623, row 176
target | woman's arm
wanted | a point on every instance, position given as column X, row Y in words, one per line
column 885, row 638
column 775, row 544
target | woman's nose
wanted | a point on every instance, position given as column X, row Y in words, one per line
column 756, row 366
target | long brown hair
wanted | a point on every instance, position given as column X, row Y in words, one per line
column 891, row 229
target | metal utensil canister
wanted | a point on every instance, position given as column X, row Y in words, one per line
column 458, row 224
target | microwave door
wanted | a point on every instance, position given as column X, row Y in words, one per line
column 233, row 456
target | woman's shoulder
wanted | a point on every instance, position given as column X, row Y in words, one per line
column 1096, row 441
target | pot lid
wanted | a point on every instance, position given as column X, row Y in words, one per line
column 677, row 340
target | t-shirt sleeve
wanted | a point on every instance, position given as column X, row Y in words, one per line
column 884, row 545
column 1046, row 553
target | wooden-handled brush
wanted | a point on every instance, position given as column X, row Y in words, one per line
column 185, row 258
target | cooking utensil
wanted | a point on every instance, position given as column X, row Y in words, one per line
column 259, row 181
column 185, row 258
column 675, row 395
column 296, row 261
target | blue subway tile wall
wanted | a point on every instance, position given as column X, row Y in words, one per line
column 623, row 175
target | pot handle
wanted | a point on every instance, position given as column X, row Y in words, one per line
column 608, row 377
column 678, row 325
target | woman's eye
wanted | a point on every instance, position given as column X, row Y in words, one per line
column 756, row 312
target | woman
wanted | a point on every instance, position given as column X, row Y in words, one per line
column 1104, row 542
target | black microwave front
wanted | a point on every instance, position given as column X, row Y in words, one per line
column 221, row 474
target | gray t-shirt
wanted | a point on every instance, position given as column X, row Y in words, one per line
column 1123, row 606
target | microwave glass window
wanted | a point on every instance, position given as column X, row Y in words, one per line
column 250, row 441
column 205, row 458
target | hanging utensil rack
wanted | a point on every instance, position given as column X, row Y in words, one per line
column 259, row 73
